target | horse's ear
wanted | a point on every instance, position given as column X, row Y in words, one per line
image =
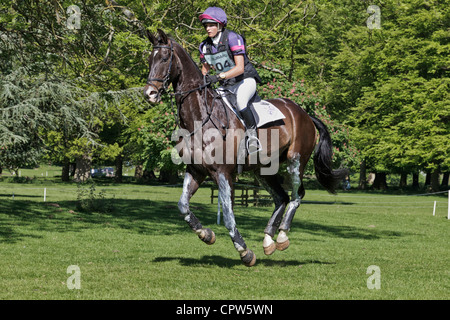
column 163, row 37
column 151, row 37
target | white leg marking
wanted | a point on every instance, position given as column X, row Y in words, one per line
column 183, row 204
column 282, row 237
column 225, row 199
column 267, row 240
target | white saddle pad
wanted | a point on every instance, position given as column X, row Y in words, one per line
column 263, row 110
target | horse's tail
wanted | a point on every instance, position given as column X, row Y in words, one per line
column 327, row 177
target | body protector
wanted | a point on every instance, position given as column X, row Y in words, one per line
column 222, row 59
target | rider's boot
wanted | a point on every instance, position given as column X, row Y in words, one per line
column 253, row 144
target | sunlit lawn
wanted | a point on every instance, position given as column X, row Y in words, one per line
column 144, row 250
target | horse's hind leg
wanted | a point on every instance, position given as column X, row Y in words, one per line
column 190, row 186
column 273, row 186
column 294, row 172
column 225, row 184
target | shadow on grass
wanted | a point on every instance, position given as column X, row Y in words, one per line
column 18, row 196
column 225, row 262
column 20, row 219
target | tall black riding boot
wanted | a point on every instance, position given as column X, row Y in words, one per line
column 253, row 144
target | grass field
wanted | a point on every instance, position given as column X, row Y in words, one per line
column 144, row 250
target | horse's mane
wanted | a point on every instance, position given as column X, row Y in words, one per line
column 187, row 53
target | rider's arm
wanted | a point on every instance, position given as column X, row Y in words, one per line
column 238, row 69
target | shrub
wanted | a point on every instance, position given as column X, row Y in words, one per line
column 88, row 200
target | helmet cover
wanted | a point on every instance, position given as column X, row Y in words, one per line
column 215, row 14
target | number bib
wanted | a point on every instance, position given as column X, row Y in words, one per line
column 220, row 61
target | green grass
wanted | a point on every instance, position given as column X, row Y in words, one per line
column 144, row 250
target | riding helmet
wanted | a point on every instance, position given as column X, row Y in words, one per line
column 214, row 14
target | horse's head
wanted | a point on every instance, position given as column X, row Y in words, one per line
column 160, row 65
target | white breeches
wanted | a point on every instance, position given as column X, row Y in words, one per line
column 244, row 91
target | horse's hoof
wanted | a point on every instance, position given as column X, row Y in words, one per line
column 248, row 258
column 270, row 249
column 268, row 245
column 283, row 245
column 282, row 240
column 207, row 236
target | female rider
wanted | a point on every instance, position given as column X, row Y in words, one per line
column 224, row 51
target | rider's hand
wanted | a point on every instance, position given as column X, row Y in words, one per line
column 212, row 79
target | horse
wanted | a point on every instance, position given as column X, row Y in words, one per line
column 201, row 110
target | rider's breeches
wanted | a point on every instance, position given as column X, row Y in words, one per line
column 244, row 91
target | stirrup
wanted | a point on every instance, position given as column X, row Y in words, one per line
column 258, row 145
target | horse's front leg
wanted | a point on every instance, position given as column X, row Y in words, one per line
column 190, row 186
column 226, row 198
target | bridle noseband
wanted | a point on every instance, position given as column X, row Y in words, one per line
column 165, row 80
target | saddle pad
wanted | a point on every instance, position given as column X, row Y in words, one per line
column 263, row 111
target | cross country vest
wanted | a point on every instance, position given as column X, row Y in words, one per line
column 223, row 60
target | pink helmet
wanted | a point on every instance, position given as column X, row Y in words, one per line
column 214, row 14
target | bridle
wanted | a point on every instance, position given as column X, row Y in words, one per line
column 165, row 85
column 165, row 80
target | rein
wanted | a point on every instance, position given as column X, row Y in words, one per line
column 208, row 110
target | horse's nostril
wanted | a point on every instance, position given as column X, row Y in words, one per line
column 151, row 95
column 149, row 92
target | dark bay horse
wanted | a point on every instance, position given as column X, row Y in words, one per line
column 290, row 140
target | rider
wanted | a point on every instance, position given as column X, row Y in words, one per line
column 224, row 51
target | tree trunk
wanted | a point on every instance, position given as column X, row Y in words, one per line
column 403, row 180
column 138, row 171
column 362, row 176
column 168, row 176
column 444, row 182
column 73, row 167
column 435, row 180
column 143, row 174
column 83, row 169
column 119, row 172
column 415, row 182
column 380, row 181
column 65, row 170
column 149, row 175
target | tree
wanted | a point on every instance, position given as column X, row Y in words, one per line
column 392, row 84
column 345, row 153
column 59, row 76
column 29, row 105
column 406, row 111
column 157, row 147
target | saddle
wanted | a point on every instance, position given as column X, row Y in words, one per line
column 264, row 113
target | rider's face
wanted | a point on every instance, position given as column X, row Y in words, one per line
column 212, row 29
